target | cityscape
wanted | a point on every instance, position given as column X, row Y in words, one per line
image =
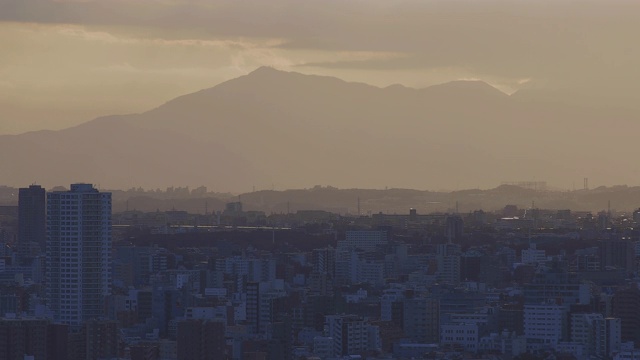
column 319, row 180
column 81, row 281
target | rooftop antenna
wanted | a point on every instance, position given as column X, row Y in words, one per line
column 457, row 207
column 586, row 183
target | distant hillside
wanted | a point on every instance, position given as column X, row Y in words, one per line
column 372, row 201
column 275, row 129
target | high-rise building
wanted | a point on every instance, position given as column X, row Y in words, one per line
column 31, row 219
column 78, row 253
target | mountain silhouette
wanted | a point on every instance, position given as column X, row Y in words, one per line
column 272, row 128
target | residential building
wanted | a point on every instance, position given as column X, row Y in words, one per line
column 78, row 253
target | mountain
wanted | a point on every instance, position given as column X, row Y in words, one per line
column 288, row 130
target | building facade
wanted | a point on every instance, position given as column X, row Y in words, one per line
column 31, row 219
column 78, row 253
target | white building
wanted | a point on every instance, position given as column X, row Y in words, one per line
column 543, row 325
column 78, row 253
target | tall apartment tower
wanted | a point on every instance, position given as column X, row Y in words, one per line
column 31, row 219
column 78, row 253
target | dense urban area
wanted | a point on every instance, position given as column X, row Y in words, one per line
column 79, row 280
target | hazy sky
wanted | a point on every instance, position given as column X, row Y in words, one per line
column 65, row 62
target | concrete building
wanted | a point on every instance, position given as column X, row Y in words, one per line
column 609, row 339
column 583, row 330
column 600, row 336
column 544, row 325
column 349, row 333
column 465, row 335
column 78, row 253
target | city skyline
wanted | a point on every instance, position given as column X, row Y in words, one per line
column 319, row 179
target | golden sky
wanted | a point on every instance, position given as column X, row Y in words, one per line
column 65, row 62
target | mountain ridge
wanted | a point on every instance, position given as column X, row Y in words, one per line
column 273, row 128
